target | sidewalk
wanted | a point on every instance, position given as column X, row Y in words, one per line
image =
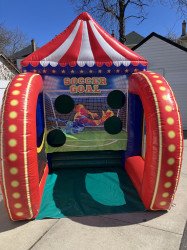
column 147, row 230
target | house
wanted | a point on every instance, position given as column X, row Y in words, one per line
column 170, row 60
column 17, row 57
column 7, row 72
column 132, row 39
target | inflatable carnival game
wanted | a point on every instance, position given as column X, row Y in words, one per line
column 87, row 130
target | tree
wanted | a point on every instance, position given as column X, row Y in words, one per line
column 11, row 40
column 119, row 10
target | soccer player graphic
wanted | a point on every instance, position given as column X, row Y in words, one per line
column 83, row 117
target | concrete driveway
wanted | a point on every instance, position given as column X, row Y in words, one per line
column 145, row 230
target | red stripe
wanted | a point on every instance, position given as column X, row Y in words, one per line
column 71, row 56
column 121, row 49
column 50, row 47
column 99, row 54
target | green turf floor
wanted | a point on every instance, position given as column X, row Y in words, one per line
column 90, row 140
column 87, row 191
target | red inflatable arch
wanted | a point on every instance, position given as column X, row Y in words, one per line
column 21, row 186
column 156, row 177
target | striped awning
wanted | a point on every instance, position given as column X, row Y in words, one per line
column 83, row 44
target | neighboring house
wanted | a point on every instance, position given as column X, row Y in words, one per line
column 183, row 39
column 169, row 59
column 7, row 72
column 132, row 39
column 17, row 57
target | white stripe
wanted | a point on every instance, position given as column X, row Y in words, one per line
column 86, row 54
column 117, row 58
column 131, row 53
column 62, row 49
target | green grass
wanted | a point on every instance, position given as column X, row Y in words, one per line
column 92, row 140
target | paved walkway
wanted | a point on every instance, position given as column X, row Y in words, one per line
column 147, row 230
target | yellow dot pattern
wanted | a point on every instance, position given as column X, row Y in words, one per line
column 15, row 92
column 155, row 76
column 12, row 142
column 13, row 114
column 167, row 184
column 163, row 203
column 13, row 171
column 159, row 81
column 165, row 97
column 19, row 214
column 171, row 161
column 14, row 102
column 171, row 148
column 171, row 134
column 16, row 195
column 18, row 205
column 12, row 128
column 169, row 173
column 165, row 195
column 17, row 84
column 170, row 121
column 12, row 157
column 20, row 79
column 168, row 108
column 162, row 88
column 15, row 184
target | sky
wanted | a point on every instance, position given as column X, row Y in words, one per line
column 43, row 19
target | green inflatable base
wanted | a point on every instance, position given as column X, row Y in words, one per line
column 88, row 191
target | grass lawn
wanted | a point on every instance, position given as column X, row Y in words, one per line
column 89, row 140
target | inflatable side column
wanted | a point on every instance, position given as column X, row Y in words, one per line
column 156, row 177
column 23, row 173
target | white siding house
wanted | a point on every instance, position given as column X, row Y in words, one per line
column 7, row 72
column 170, row 60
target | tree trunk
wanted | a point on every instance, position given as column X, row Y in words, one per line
column 121, row 21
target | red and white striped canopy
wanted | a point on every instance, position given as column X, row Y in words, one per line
column 84, row 43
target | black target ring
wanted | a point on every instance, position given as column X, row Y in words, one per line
column 113, row 125
column 116, row 99
column 56, row 138
column 64, row 104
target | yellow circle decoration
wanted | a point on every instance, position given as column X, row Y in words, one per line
column 12, row 128
column 17, row 84
column 15, row 92
column 17, row 205
column 159, row 81
column 16, row 195
column 167, row 185
column 162, row 88
column 13, row 114
column 13, row 171
column 171, row 148
column 12, row 157
column 168, row 108
column 19, row 79
column 170, row 121
column 165, row 97
column 155, row 76
column 171, row 161
column 169, row 173
column 19, row 214
column 12, row 142
column 165, row 195
column 171, row 134
column 15, row 184
column 163, row 203
column 14, row 102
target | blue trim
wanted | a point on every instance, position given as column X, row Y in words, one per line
column 81, row 71
column 40, row 125
column 135, row 123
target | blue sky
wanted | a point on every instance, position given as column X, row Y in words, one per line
column 42, row 20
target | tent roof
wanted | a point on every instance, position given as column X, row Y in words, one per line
column 83, row 44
